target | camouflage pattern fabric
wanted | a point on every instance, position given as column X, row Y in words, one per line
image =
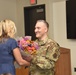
column 43, row 62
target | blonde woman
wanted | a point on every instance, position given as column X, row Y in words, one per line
column 9, row 50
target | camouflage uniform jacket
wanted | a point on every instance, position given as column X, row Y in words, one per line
column 44, row 61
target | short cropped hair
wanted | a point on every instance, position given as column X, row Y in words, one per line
column 46, row 23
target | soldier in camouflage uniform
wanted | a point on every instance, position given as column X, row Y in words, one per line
column 43, row 62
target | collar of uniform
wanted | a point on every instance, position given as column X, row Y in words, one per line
column 42, row 42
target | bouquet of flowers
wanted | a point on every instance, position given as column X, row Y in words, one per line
column 27, row 46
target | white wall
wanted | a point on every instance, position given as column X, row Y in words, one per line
column 20, row 15
column 59, row 23
column 8, row 10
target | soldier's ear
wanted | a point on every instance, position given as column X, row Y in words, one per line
column 46, row 30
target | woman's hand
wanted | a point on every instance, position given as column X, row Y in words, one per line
column 27, row 58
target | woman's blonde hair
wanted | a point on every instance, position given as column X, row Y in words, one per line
column 7, row 28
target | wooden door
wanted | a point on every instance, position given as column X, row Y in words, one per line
column 63, row 65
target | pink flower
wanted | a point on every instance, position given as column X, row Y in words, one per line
column 27, row 45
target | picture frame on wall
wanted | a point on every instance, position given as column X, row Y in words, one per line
column 32, row 2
